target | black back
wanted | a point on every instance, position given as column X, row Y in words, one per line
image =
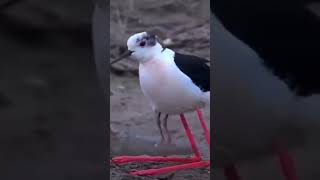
column 196, row 68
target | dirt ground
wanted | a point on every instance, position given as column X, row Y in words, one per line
column 183, row 29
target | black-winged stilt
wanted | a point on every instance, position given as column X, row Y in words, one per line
column 173, row 83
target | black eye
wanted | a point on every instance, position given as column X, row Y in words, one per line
column 142, row 43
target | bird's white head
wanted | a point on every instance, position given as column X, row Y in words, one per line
column 142, row 47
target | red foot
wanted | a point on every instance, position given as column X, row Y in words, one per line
column 171, row 168
column 127, row 159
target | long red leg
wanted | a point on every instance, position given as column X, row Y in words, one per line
column 144, row 158
column 287, row 163
column 178, row 167
column 190, row 136
column 231, row 173
column 171, row 168
column 195, row 158
column 204, row 126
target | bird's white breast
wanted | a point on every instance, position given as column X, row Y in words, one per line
column 167, row 88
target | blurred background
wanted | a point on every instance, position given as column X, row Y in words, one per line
column 183, row 26
column 273, row 71
column 49, row 97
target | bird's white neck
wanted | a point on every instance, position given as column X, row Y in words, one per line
column 143, row 55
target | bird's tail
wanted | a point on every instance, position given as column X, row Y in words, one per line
column 206, row 98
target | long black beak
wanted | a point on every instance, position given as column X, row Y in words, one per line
column 128, row 53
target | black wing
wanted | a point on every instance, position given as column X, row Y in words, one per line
column 196, row 68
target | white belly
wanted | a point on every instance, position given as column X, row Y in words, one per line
column 168, row 89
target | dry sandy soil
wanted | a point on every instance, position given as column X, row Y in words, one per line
column 132, row 120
